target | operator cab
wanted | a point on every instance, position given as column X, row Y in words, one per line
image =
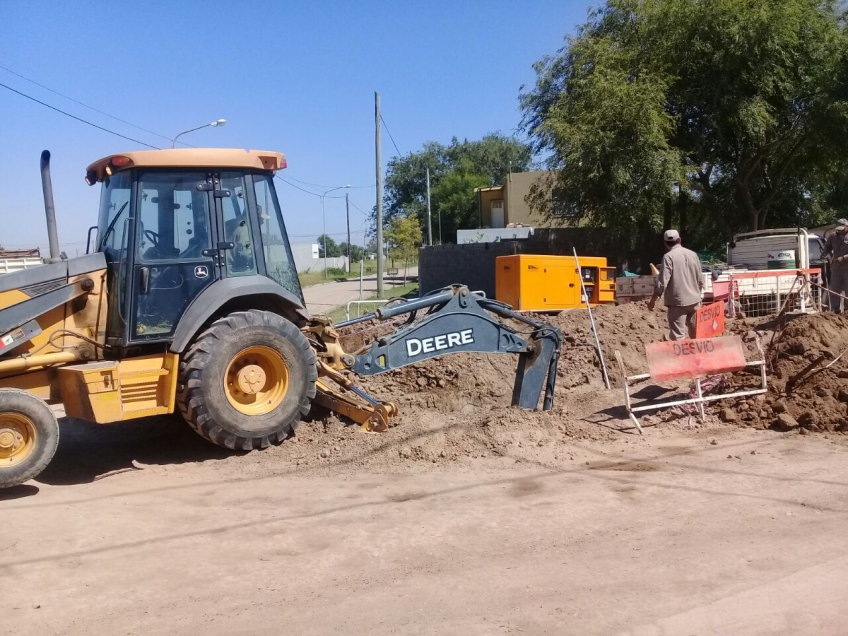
column 173, row 222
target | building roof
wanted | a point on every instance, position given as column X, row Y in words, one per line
column 189, row 158
column 489, row 189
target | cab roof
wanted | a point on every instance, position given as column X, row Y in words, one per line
column 187, row 158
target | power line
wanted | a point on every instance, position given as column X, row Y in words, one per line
column 328, row 234
column 76, row 101
column 321, row 185
column 58, row 110
column 314, row 194
column 360, row 209
column 390, row 134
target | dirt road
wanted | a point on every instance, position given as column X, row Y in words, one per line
column 323, row 298
column 662, row 534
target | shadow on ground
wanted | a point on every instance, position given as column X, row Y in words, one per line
column 88, row 451
column 17, row 492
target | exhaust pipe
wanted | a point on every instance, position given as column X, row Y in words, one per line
column 49, row 209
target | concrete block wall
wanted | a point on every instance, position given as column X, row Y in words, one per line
column 472, row 264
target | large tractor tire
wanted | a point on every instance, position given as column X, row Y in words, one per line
column 29, row 435
column 246, row 381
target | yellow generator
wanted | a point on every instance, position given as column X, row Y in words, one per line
column 548, row 283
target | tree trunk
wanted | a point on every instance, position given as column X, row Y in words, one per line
column 743, row 194
column 667, row 214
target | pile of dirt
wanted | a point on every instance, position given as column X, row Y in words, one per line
column 426, row 439
column 458, row 407
column 462, row 382
column 808, row 380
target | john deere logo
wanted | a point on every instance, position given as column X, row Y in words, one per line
column 201, row 271
column 415, row 347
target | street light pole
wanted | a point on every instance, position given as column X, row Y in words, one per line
column 324, row 222
column 429, row 216
column 347, row 214
column 214, row 124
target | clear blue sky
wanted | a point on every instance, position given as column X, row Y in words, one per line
column 287, row 76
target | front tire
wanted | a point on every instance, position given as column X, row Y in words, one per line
column 246, row 381
column 29, row 436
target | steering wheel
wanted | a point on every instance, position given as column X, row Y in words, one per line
column 153, row 236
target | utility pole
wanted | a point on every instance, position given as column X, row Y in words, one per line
column 324, row 230
column 347, row 209
column 379, row 196
column 429, row 217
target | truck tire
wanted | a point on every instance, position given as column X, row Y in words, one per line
column 29, row 435
column 246, row 381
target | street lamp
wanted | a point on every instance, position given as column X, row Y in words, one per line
column 214, row 124
column 324, row 222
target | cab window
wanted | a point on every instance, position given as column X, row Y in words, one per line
column 279, row 263
column 114, row 212
column 173, row 216
column 240, row 259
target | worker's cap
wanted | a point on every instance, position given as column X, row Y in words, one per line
column 841, row 222
column 670, row 236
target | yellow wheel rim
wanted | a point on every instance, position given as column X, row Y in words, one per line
column 17, row 438
column 256, row 380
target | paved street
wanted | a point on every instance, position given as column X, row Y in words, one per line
column 326, row 297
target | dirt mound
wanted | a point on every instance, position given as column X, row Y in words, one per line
column 808, row 385
column 427, row 439
column 626, row 328
column 461, row 382
column 458, row 405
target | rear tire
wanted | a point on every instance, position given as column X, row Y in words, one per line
column 246, row 381
column 29, row 436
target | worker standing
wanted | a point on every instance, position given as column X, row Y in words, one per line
column 680, row 283
column 836, row 247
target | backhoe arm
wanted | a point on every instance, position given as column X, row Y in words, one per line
column 461, row 322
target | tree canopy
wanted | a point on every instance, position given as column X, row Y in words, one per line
column 403, row 236
column 455, row 170
column 356, row 251
column 333, row 248
column 740, row 106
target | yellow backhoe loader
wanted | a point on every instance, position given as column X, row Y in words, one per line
column 188, row 299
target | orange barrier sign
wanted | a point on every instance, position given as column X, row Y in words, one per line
column 710, row 320
column 694, row 358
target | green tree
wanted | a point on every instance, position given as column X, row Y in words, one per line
column 403, row 236
column 455, row 200
column 463, row 163
column 739, row 104
column 356, row 251
column 333, row 249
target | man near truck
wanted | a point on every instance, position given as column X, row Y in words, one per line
column 680, row 283
column 836, row 246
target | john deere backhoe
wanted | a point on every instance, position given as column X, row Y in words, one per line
column 189, row 299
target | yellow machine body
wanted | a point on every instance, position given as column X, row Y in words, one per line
column 533, row 282
column 60, row 367
column 116, row 390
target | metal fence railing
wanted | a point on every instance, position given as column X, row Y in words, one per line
column 764, row 293
column 358, row 303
